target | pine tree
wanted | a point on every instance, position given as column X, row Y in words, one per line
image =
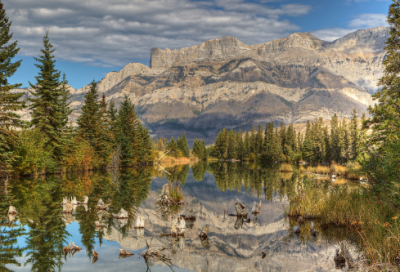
column 240, row 147
column 45, row 104
column 307, row 143
column 183, row 146
column 385, row 122
column 232, row 145
column 246, row 145
column 172, row 147
column 253, row 140
column 259, row 140
column 89, row 120
column 127, row 133
column 9, row 101
column 335, row 138
column 354, row 135
column 65, row 96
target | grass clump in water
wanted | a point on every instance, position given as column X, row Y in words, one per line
column 286, row 167
column 374, row 222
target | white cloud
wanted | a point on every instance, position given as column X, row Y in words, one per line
column 103, row 32
column 362, row 21
column 332, row 34
column 369, row 21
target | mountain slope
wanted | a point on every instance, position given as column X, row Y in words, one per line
column 226, row 83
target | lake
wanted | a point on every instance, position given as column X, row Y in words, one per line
column 34, row 239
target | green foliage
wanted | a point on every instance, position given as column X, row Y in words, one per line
column 127, row 133
column 46, row 107
column 385, row 122
column 200, row 150
column 9, row 102
column 183, row 146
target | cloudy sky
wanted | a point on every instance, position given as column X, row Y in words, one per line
column 93, row 37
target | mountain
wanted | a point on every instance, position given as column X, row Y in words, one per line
column 226, row 83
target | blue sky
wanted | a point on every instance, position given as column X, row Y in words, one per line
column 94, row 37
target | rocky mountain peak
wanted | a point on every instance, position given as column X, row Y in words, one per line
column 363, row 41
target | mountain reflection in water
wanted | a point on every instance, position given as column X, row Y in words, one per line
column 34, row 239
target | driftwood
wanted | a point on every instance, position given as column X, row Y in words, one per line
column 125, row 252
column 95, row 257
column 240, row 209
column 68, row 207
column 204, row 231
column 101, row 205
column 256, row 208
column 12, row 210
column 85, row 201
column 71, row 249
column 347, row 256
column 121, row 215
column 339, row 259
column 74, row 201
column 178, row 227
column 139, row 223
column 155, row 254
column 313, row 231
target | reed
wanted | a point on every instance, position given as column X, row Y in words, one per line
column 377, row 225
column 286, row 167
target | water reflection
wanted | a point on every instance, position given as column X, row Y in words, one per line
column 210, row 191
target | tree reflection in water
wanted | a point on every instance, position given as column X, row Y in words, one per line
column 38, row 206
column 10, row 230
column 254, row 179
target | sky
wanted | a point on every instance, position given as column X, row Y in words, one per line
column 94, row 37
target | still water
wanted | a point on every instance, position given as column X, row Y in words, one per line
column 34, row 239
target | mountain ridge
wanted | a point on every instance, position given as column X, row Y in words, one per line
column 226, row 83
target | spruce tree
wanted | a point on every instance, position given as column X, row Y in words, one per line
column 259, row 140
column 65, row 96
column 45, row 105
column 232, row 145
column 246, row 145
column 385, row 122
column 9, row 101
column 183, row 146
column 127, row 133
column 89, row 120
column 354, row 135
column 240, row 147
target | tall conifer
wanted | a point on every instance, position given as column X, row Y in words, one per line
column 385, row 122
column 45, row 104
column 9, row 101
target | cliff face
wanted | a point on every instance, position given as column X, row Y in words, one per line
column 226, row 83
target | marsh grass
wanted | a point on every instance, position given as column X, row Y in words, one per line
column 341, row 206
column 175, row 192
column 286, row 167
column 351, row 171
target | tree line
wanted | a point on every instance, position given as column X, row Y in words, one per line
column 180, row 147
column 341, row 142
column 104, row 136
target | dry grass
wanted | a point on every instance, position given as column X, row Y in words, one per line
column 286, row 167
column 175, row 192
column 354, row 208
column 351, row 171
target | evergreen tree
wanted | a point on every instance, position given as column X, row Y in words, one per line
column 385, row 122
column 9, row 101
column 172, row 147
column 354, row 135
column 253, row 140
column 246, row 145
column 232, row 145
column 127, row 134
column 240, row 146
column 259, row 140
column 307, row 143
column 183, row 146
column 335, row 138
column 65, row 96
column 45, row 105
column 89, row 121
